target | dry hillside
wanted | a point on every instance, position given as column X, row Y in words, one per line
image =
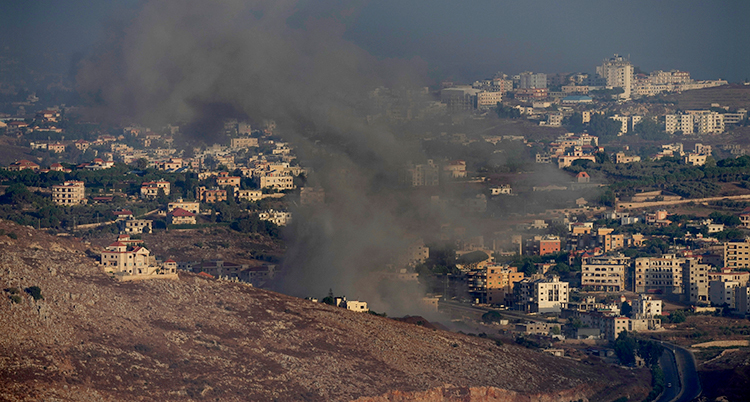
column 94, row 339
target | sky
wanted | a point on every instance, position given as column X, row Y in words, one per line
column 465, row 41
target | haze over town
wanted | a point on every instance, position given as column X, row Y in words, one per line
column 566, row 178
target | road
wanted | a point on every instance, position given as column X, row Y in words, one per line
column 679, row 369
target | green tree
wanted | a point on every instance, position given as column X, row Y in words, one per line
column 626, row 309
column 625, row 348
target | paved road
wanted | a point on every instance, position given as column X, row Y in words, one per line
column 679, row 369
column 671, row 376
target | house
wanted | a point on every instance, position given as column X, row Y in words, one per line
column 583, row 177
column 136, row 226
column 128, row 262
column 210, row 196
column 122, row 214
column 543, row 295
column 180, row 216
column 224, row 179
column 191, row 206
column 150, row 189
column 23, row 164
column 280, row 218
column 57, row 148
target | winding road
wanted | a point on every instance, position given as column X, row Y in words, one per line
column 679, row 369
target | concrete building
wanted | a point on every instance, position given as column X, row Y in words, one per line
column 489, row 100
column 243, row 142
column 179, row 216
column 69, row 193
column 427, row 174
column 605, row 273
column 280, row 218
column 659, row 275
column 545, row 295
column 249, row 195
column 618, row 73
column 737, row 254
column 127, row 262
column 695, row 281
column 150, row 189
column 136, row 226
column 210, row 196
column 527, row 79
column 191, row 206
column 722, row 293
column 646, row 307
column 742, row 299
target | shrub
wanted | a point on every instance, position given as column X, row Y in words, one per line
column 35, row 292
column 13, row 235
column 16, row 299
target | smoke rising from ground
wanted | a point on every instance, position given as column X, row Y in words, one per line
column 199, row 62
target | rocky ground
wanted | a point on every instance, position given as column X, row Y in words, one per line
column 91, row 338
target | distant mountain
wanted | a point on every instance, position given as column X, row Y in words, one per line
column 83, row 336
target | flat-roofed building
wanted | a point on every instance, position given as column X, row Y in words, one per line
column 605, row 273
column 69, row 193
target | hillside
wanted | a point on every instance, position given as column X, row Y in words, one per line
column 734, row 96
column 94, row 339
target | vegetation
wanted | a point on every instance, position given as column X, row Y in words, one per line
column 35, row 292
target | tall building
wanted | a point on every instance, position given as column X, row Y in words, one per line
column 618, row 73
column 737, row 254
column 527, row 79
column 695, row 281
column 662, row 275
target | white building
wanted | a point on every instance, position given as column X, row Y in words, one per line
column 722, row 292
column 604, row 273
column 280, row 218
column 647, row 307
column 546, row 295
column 618, row 73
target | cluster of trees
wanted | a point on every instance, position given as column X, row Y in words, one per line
column 627, row 348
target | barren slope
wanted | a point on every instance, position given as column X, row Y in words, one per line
column 92, row 338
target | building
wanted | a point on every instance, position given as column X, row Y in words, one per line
column 427, row 174
column 128, row 261
column 547, row 244
column 647, row 307
column 726, row 275
column 150, row 189
column 455, row 169
column 210, row 196
column 527, row 79
column 742, row 299
column 695, row 281
column 22, row 165
column 224, row 179
column 279, row 218
column 618, row 73
column 275, row 179
column 179, row 216
column 737, row 254
column 249, row 195
column 69, row 193
column 136, row 226
column 604, row 273
column 659, row 275
column 545, row 295
column 488, row 100
column 191, row 206
column 243, row 142
column 493, row 284
column 722, row 293
column 460, row 97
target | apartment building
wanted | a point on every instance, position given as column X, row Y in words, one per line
column 191, row 206
column 210, row 196
column 695, row 281
column 737, row 254
column 659, row 275
column 69, row 193
column 545, row 295
column 618, row 73
column 150, row 189
column 605, row 273
column 646, row 307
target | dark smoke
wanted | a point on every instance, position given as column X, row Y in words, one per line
column 198, row 62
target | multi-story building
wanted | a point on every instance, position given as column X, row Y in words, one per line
column 737, row 254
column 210, row 196
column 646, row 307
column 136, row 226
column 249, row 195
column 129, row 261
column 620, row 157
column 695, row 281
column 275, row 179
column 191, row 206
column 722, row 293
column 707, row 121
column 150, row 189
column 661, row 275
column 179, row 216
column 488, row 100
column 527, row 79
column 69, row 193
column 223, row 179
column 618, row 73
column 243, row 142
column 545, row 295
column 427, row 174
column 742, row 299
column 605, row 273
column 727, row 275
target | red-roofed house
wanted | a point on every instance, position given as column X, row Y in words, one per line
column 180, row 216
column 583, row 177
column 136, row 262
column 122, row 214
column 23, row 164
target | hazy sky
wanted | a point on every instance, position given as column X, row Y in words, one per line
column 471, row 40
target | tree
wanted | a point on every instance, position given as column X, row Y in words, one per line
column 650, row 352
column 626, row 309
column 625, row 347
column 604, row 127
column 491, row 316
column 650, row 130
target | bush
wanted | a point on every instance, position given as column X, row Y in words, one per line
column 35, row 292
column 13, row 235
column 16, row 299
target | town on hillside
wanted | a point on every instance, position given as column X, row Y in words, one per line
column 567, row 208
